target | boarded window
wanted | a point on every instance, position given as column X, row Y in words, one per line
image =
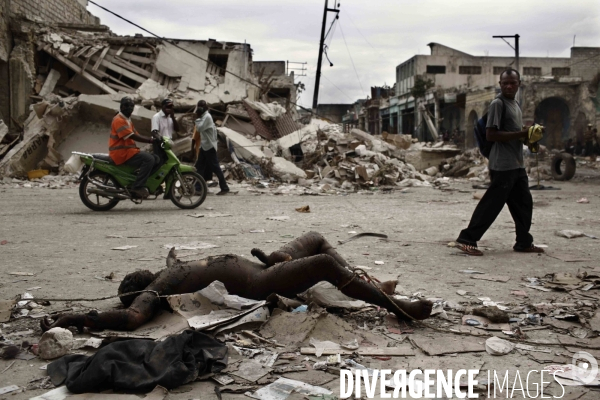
column 436, row 69
column 499, row 70
column 532, row 71
column 469, row 70
column 561, row 71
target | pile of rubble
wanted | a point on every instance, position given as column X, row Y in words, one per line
column 470, row 164
column 324, row 156
column 79, row 75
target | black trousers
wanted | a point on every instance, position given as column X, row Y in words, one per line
column 145, row 162
column 208, row 163
column 510, row 188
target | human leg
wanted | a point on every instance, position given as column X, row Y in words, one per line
column 144, row 161
column 293, row 277
column 214, row 166
column 201, row 163
column 489, row 207
column 520, row 205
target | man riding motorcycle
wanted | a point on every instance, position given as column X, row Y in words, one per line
column 123, row 150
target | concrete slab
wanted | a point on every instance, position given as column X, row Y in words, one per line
column 243, row 147
column 177, row 62
column 50, row 82
column 287, row 170
column 152, row 90
column 103, row 108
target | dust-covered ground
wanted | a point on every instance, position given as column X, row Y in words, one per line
column 67, row 248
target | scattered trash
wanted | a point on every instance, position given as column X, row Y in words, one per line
column 8, row 389
column 379, row 263
column 3, row 242
column 493, row 278
column 20, row 273
column 257, row 231
column 570, row 234
column 303, row 209
column 283, row 387
column 214, row 215
column 498, row 347
column 583, row 200
column 301, row 309
column 448, row 345
column 280, row 218
column 520, row 293
column 190, row 246
column 470, row 271
column 364, row 234
column 24, row 296
column 251, row 371
column 123, row 248
column 572, row 375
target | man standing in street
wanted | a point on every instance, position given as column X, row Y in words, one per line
column 589, row 137
column 122, row 148
column 509, row 182
column 164, row 122
column 205, row 140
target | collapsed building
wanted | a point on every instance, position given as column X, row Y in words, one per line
column 66, row 80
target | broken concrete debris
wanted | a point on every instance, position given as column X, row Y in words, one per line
column 55, row 343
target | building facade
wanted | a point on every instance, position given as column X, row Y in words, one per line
column 453, row 89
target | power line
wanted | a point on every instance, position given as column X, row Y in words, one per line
column 351, row 60
column 352, row 21
column 172, row 42
column 337, row 88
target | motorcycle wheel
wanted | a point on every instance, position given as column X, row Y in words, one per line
column 93, row 201
column 181, row 195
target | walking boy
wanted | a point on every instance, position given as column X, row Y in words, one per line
column 509, row 182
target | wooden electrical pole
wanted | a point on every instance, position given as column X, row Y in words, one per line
column 320, row 60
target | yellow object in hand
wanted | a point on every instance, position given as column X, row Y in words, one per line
column 536, row 133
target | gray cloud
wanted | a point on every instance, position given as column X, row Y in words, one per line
column 380, row 34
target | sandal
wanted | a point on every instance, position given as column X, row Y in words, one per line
column 468, row 249
column 532, row 249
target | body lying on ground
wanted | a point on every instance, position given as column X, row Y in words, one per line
column 291, row 270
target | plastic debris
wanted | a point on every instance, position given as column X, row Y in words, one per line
column 498, row 347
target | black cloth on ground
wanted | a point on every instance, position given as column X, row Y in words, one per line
column 140, row 365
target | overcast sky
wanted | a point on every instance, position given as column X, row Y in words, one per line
column 376, row 36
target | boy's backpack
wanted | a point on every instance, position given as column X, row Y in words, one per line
column 485, row 146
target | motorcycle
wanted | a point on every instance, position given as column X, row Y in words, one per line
column 103, row 184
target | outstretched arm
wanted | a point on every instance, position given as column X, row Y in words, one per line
column 141, row 310
column 309, row 244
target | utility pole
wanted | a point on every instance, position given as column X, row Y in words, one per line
column 321, row 45
column 515, row 48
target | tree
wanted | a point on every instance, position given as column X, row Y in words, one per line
column 420, row 87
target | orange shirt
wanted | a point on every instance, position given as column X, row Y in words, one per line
column 120, row 145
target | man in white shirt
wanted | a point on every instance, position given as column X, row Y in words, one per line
column 204, row 144
column 164, row 122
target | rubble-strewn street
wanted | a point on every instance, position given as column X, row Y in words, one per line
column 177, row 223
column 53, row 247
